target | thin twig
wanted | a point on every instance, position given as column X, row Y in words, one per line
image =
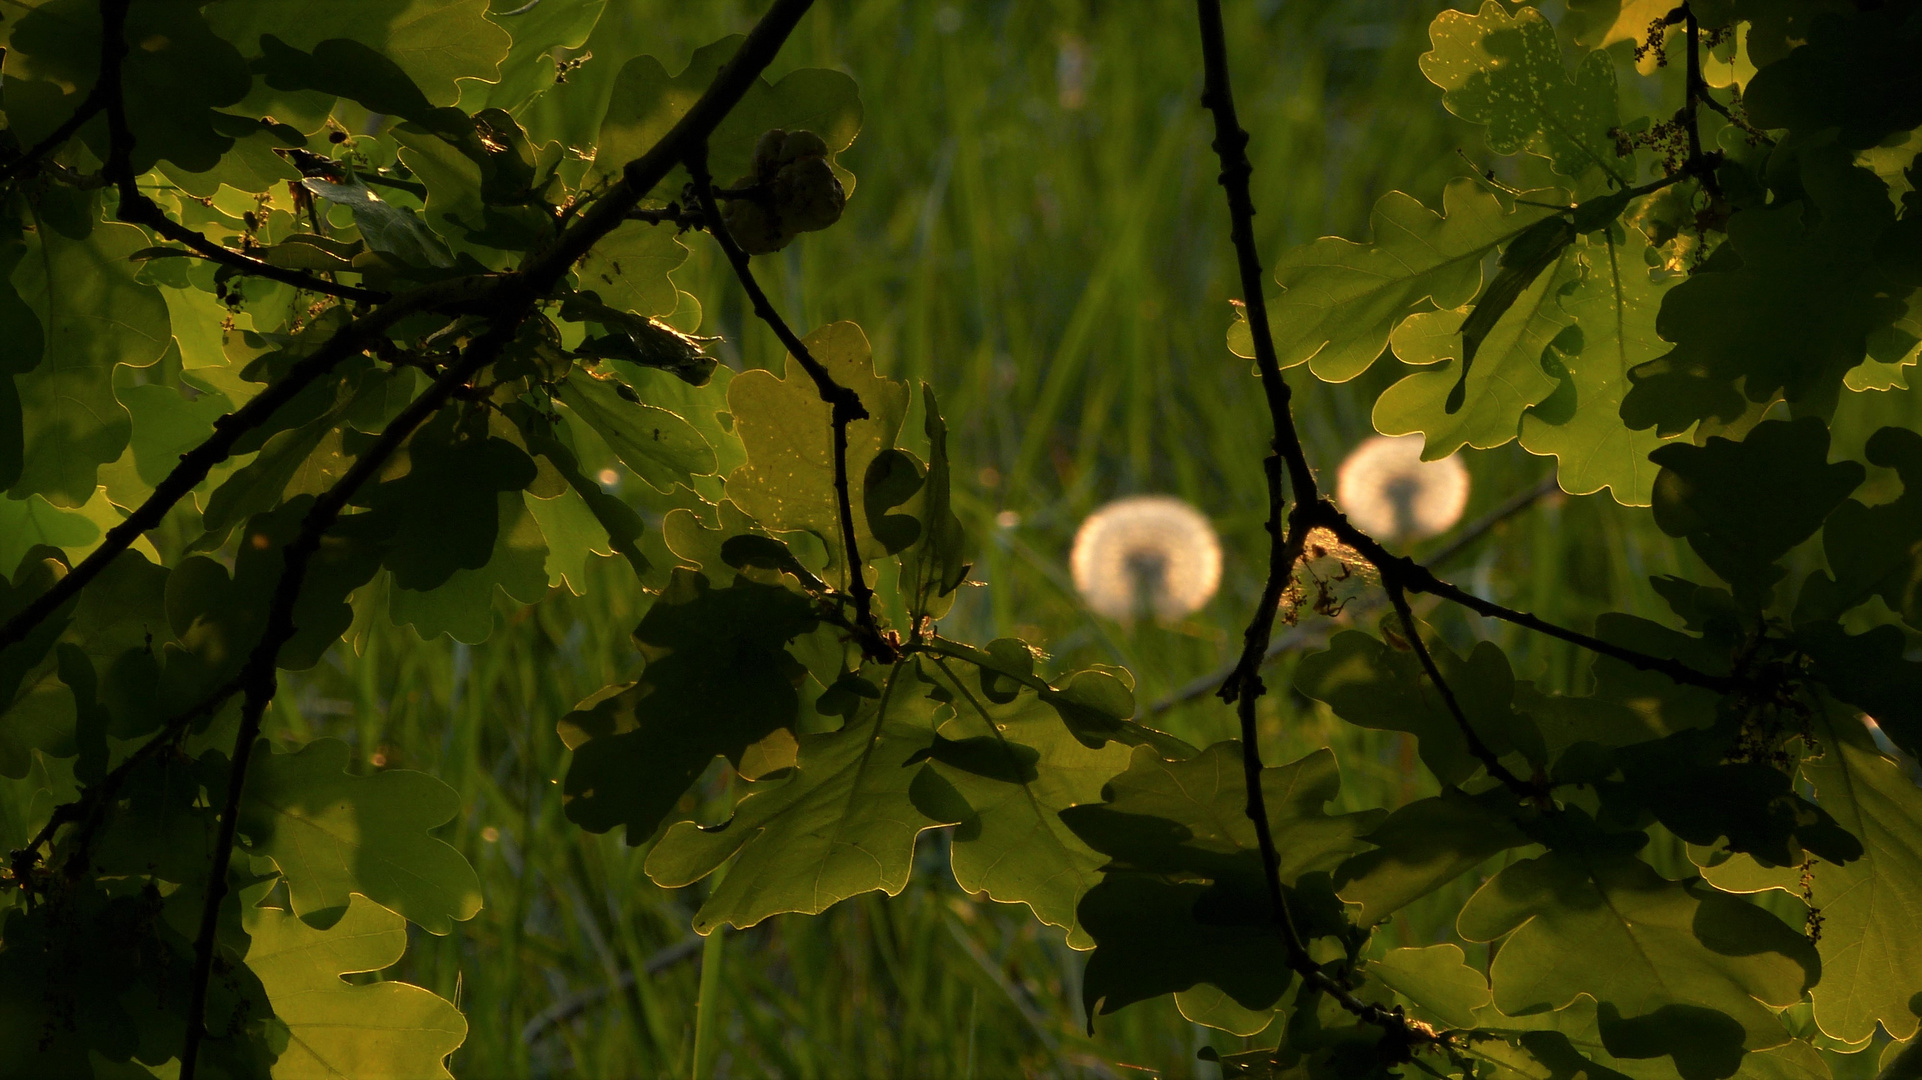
column 1244, row 686
column 95, row 797
column 138, row 209
column 1398, row 598
column 844, row 405
column 1408, row 574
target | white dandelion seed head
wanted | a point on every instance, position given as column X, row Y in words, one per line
column 1148, row 554
column 1387, row 490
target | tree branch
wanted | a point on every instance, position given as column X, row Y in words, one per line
column 1405, row 573
column 1521, row 788
column 844, row 404
column 138, row 209
column 195, row 464
column 83, row 112
column 257, row 678
column 1244, row 686
column 537, row 274
column 513, row 298
column 1696, row 90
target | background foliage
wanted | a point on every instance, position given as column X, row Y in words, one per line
column 1036, row 233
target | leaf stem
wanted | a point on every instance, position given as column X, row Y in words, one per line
column 843, row 402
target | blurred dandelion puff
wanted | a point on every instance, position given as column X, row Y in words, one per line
column 1388, row 491
column 1146, row 555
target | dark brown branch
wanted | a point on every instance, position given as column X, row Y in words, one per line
column 684, row 218
column 844, row 405
column 1244, row 686
column 1696, row 90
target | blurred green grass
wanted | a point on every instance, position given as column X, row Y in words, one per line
column 1037, row 232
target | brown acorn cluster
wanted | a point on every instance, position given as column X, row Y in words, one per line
column 791, row 190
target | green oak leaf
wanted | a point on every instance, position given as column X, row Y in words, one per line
column 1870, row 671
column 1591, row 918
column 840, row 823
column 1614, row 305
column 1848, row 77
column 572, row 533
column 662, row 448
column 1368, row 682
column 646, row 102
column 1506, row 72
column 1743, row 505
column 1871, row 956
column 1875, row 551
column 788, row 480
column 629, row 269
column 444, row 512
column 26, row 345
column 96, row 316
column 434, row 42
column 1189, row 817
column 539, row 31
column 1786, row 308
column 1750, row 806
column 462, row 607
column 718, row 680
column 334, row 1028
column 166, row 424
column 1569, row 1044
column 175, row 79
column 1443, row 990
column 32, row 522
column 1183, row 901
column 1003, row 771
column 1425, row 845
column 332, row 834
column 621, row 525
column 1341, row 299
column 1507, row 378
column 387, row 228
